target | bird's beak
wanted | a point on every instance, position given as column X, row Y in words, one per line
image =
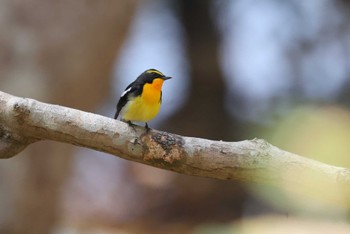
column 166, row 77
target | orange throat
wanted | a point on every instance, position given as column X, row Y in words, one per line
column 157, row 84
column 152, row 92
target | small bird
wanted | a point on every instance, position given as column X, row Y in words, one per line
column 141, row 99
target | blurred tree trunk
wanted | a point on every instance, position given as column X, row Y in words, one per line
column 59, row 52
column 342, row 34
column 191, row 199
column 204, row 115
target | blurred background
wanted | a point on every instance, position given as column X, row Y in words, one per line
column 278, row 70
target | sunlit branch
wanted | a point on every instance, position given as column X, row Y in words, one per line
column 24, row 121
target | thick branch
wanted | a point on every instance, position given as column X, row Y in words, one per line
column 24, row 121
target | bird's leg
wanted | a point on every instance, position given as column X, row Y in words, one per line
column 147, row 128
column 131, row 125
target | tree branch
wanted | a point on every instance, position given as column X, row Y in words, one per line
column 24, row 121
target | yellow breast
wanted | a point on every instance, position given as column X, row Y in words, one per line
column 146, row 106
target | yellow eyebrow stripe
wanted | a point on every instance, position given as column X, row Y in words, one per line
column 155, row 71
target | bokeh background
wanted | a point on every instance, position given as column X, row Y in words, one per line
column 278, row 70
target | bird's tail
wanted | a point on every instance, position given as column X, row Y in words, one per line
column 116, row 114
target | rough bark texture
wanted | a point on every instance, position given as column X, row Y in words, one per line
column 23, row 121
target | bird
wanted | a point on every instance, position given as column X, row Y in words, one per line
column 141, row 99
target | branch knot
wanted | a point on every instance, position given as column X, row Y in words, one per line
column 163, row 147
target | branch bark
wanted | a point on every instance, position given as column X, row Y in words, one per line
column 24, row 121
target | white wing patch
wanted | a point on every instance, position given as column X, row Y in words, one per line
column 125, row 92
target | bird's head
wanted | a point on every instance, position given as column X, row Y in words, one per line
column 153, row 77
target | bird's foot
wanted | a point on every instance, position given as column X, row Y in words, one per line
column 132, row 125
column 147, row 128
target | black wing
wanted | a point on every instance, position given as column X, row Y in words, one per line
column 123, row 99
column 133, row 90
